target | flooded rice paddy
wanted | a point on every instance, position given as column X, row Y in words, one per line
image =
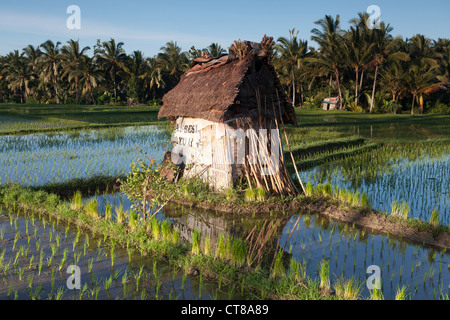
column 35, row 255
column 349, row 251
column 38, row 159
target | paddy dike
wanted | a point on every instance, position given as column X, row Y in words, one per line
column 372, row 221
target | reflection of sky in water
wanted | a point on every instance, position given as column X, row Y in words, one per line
column 423, row 183
column 425, row 272
column 52, row 158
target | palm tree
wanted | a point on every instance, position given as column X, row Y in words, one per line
column 49, row 62
column 329, row 59
column 152, row 76
column 292, row 52
column 421, row 79
column 173, row 61
column 111, row 57
column 358, row 53
column 17, row 74
column 383, row 51
column 31, row 55
column 71, row 60
column 89, row 75
column 393, row 78
column 215, row 50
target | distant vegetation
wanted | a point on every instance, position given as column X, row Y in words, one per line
column 369, row 69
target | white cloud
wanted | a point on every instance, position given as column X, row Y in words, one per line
column 52, row 26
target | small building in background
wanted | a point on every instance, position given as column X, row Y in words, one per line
column 331, row 103
column 217, row 101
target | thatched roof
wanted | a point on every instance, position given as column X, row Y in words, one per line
column 225, row 87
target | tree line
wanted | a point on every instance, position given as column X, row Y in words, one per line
column 369, row 70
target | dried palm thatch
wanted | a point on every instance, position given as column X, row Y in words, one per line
column 222, row 88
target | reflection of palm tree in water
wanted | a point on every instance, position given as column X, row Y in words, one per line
column 261, row 234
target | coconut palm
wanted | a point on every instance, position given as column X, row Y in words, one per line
column 292, row 53
column 393, row 78
column 329, row 59
column 111, row 58
column 17, row 74
column 152, row 76
column 49, row 65
column 215, row 50
column 173, row 61
column 383, row 51
column 89, row 75
column 71, row 60
column 421, row 79
column 358, row 54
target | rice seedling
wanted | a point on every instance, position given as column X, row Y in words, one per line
column 196, row 238
column 77, row 202
column 260, row 194
column 434, row 218
column 16, row 238
column 60, row 293
column 155, row 225
column 63, row 259
column 132, row 221
column 324, row 273
column 401, row 293
column 278, row 270
column 113, row 256
column 92, row 208
column 165, row 230
column 108, row 211
column 250, row 195
column 207, row 246
column 108, row 283
column 238, row 252
column 138, row 276
column 221, row 249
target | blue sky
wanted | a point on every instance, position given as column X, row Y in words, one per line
column 148, row 25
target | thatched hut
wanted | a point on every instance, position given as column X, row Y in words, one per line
column 217, row 101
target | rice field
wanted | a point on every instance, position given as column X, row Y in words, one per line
column 39, row 159
column 401, row 163
column 36, row 253
column 310, row 239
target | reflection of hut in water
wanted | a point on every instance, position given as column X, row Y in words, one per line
column 213, row 226
column 221, row 107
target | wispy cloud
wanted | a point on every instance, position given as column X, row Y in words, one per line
column 52, row 26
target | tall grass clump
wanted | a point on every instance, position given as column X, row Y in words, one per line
column 260, row 194
column 278, row 270
column 77, row 202
column 434, row 218
column 250, row 195
column 108, row 211
column 324, row 273
column 238, row 252
column 133, row 219
column 196, row 238
column 92, row 208
column 120, row 214
column 400, row 210
column 309, row 189
column 401, row 293
column 221, row 252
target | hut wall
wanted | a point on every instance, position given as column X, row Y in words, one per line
column 203, row 146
